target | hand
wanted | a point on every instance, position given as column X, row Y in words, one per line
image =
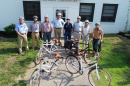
column 42, row 33
column 63, row 34
column 72, row 34
column 60, row 27
column 54, row 27
column 101, row 41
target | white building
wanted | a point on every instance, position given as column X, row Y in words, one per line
column 112, row 14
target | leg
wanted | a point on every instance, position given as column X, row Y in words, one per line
column 49, row 38
column 20, row 39
column 86, row 42
column 45, row 37
column 83, row 42
column 59, row 35
column 25, row 43
column 33, row 40
column 96, row 44
column 37, row 37
column 69, row 36
column 65, row 37
column 56, row 32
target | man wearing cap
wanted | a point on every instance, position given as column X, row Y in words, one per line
column 67, row 30
column 46, row 28
column 58, row 25
column 34, row 27
column 77, row 27
column 85, row 33
column 22, row 31
column 97, row 35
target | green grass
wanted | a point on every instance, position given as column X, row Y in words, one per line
column 11, row 63
column 114, row 58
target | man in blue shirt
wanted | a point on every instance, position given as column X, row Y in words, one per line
column 58, row 25
column 67, row 30
column 22, row 30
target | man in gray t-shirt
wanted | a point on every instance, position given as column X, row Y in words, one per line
column 77, row 27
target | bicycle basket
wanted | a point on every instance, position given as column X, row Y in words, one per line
column 68, row 44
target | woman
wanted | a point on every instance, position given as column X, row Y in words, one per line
column 85, row 33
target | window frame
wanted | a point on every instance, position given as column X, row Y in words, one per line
column 93, row 9
column 115, row 14
column 24, row 10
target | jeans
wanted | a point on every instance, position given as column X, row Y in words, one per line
column 67, row 35
column 47, row 36
column 95, row 44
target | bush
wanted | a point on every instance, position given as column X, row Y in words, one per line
column 128, row 32
column 10, row 29
column 121, row 33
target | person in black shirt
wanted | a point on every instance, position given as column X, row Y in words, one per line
column 67, row 30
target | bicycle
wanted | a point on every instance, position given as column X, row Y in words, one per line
column 51, row 48
column 45, row 69
column 96, row 76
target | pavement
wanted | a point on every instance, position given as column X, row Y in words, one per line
column 62, row 77
column 59, row 78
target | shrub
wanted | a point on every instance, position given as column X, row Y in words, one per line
column 121, row 33
column 10, row 29
column 128, row 32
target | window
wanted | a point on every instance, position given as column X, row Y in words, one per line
column 109, row 12
column 31, row 8
column 63, row 12
column 86, row 11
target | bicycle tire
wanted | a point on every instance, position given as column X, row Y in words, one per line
column 104, row 80
column 54, row 66
column 87, row 55
column 73, row 59
column 39, row 57
column 32, row 78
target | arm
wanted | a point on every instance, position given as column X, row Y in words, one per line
column 93, row 33
column 51, row 28
column 63, row 32
column 42, row 28
column 102, row 37
column 30, row 27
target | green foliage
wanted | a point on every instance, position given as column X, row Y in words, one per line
column 121, row 33
column 10, row 29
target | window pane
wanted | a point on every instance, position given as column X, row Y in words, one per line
column 109, row 12
column 86, row 11
column 31, row 8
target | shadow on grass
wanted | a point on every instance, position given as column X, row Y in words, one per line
column 21, row 83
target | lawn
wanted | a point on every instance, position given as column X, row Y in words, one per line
column 114, row 58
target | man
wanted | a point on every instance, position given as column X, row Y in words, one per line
column 58, row 25
column 34, row 27
column 22, row 31
column 46, row 28
column 77, row 27
column 97, row 34
column 67, row 30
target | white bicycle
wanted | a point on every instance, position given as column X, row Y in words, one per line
column 96, row 76
column 46, row 68
column 51, row 49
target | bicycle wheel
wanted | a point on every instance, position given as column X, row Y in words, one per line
column 39, row 56
column 72, row 64
column 87, row 55
column 99, row 77
column 56, row 64
column 35, row 78
column 56, row 47
column 69, row 49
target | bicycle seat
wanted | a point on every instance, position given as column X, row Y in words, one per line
column 76, row 39
column 57, row 55
column 80, row 53
column 54, row 39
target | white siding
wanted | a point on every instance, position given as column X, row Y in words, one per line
column 10, row 10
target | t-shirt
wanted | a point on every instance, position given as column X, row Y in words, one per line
column 97, row 33
column 21, row 28
column 68, row 27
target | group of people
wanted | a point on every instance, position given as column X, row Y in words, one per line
column 77, row 29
